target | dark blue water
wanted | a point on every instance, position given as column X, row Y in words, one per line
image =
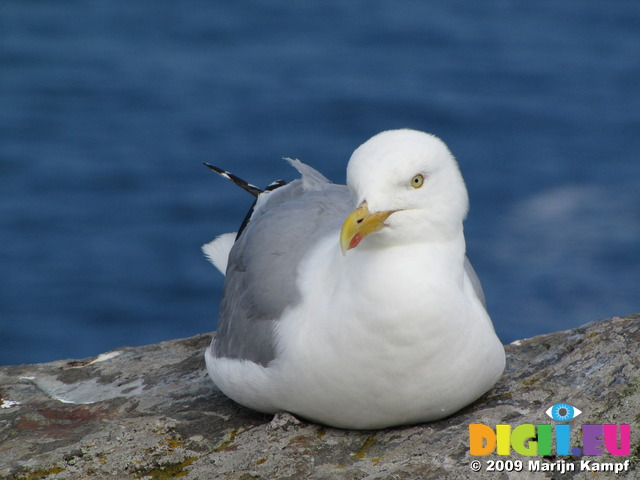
column 108, row 108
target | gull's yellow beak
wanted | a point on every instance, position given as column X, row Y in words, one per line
column 359, row 224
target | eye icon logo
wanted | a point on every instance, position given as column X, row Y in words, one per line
column 563, row 412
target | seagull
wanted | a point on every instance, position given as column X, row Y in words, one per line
column 355, row 306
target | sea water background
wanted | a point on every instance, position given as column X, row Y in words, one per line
column 108, row 108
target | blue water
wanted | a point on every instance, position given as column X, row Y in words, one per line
column 108, row 108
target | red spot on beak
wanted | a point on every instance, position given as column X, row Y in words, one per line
column 357, row 238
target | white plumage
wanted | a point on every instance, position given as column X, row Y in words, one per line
column 394, row 331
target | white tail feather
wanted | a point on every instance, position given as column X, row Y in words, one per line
column 218, row 250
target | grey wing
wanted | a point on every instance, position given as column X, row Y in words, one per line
column 475, row 281
column 261, row 273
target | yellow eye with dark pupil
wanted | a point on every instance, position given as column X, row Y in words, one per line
column 417, row 181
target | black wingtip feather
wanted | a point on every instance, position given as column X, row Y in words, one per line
column 252, row 189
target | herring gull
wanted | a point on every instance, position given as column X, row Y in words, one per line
column 355, row 306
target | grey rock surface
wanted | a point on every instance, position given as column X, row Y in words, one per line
column 152, row 413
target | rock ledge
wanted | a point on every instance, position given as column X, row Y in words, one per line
column 152, row 413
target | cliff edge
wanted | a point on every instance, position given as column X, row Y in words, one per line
column 152, row 413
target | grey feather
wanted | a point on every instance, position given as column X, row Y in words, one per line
column 262, row 268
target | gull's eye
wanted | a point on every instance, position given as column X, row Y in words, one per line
column 563, row 412
column 417, row 181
